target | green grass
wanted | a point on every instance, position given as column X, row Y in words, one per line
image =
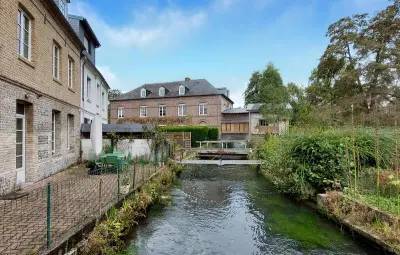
column 387, row 204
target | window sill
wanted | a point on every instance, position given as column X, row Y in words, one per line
column 70, row 89
column 27, row 61
column 57, row 80
column 202, row 114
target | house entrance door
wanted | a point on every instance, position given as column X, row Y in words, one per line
column 20, row 142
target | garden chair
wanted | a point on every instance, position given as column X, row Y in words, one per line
column 110, row 163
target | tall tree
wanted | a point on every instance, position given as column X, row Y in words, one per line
column 361, row 62
column 113, row 93
column 273, row 94
column 298, row 102
column 252, row 93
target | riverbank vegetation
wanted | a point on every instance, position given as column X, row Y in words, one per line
column 344, row 134
column 344, row 124
column 109, row 235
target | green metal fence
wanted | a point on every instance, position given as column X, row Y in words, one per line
column 40, row 218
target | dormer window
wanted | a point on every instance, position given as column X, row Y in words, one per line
column 63, row 7
column 161, row 92
column 143, row 92
column 181, row 90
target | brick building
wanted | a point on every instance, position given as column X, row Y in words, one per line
column 40, row 91
column 197, row 99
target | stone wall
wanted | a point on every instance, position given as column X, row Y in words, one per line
column 30, row 81
column 40, row 162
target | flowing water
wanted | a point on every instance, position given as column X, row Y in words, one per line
column 233, row 210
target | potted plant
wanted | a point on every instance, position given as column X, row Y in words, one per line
column 125, row 185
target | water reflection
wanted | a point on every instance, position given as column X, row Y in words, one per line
column 231, row 210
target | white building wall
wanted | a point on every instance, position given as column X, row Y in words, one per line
column 93, row 103
column 137, row 147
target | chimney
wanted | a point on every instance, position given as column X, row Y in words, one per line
column 187, row 79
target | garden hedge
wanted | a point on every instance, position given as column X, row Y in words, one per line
column 198, row 133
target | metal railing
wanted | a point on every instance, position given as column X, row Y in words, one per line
column 42, row 218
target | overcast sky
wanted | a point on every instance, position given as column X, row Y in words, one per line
column 223, row 41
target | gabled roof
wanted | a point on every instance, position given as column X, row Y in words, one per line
column 200, row 87
column 54, row 8
column 235, row 111
column 254, row 107
column 249, row 108
column 87, row 27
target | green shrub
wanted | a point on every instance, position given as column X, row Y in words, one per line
column 213, row 134
column 198, row 133
column 319, row 161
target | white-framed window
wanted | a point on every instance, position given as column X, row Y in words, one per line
column 63, row 7
column 161, row 92
column 70, row 131
column 53, row 132
column 70, row 72
column 98, row 95
column 56, row 61
column 143, row 92
column 120, row 112
column 262, row 123
column 162, row 110
column 182, row 90
column 86, row 44
column 203, row 109
column 143, row 111
column 182, row 110
column 103, row 99
column 88, row 88
column 24, row 35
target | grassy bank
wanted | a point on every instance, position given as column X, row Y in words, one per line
column 377, row 225
column 360, row 162
column 108, row 236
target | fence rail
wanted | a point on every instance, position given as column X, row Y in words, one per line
column 39, row 219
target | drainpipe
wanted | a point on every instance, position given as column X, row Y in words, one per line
column 83, row 89
column 218, row 117
column 249, row 126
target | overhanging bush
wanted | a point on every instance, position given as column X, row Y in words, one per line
column 198, row 133
column 299, row 164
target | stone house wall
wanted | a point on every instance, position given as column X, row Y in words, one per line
column 31, row 82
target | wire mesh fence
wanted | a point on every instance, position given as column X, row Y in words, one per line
column 41, row 218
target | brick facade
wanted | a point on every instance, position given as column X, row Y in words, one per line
column 215, row 105
column 31, row 82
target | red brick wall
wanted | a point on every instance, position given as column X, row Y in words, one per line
column 213, row 117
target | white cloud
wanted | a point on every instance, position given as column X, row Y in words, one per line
column 237, row 86
column 149, row 27
column 350, row 7
column 293, row 16
column 113, row 81
column 225, row 5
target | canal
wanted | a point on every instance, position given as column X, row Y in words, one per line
column 233, row 210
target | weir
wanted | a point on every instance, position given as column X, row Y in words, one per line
column 218, row 153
